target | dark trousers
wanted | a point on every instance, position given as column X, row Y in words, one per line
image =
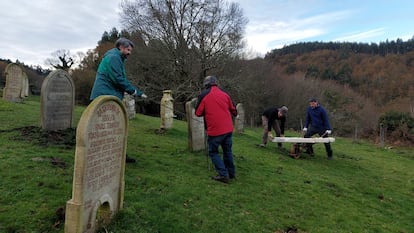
column 312, row 131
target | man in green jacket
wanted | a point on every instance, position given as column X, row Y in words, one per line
column 111, row 78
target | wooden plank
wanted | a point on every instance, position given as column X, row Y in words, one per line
column 303, row 140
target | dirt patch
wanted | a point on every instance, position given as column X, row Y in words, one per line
column 36, row 135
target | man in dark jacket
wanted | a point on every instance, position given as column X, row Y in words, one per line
column 217, row 108
column 270, row 119
column 317, row 119
column 111, row 78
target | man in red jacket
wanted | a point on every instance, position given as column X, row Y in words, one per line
column 217, row 108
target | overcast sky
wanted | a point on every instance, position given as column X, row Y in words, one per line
column 31, row 30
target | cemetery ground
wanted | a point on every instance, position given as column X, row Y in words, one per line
column 364, row 189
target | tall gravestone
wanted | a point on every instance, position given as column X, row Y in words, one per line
column 25, row 86
column 57, row 101
column 98, row 180
column 14, row 83
column 196, row 129
column 167, row 110
column 239, row 121
column 129, row 102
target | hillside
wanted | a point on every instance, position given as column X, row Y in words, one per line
column 364, row 189
column 386, row 80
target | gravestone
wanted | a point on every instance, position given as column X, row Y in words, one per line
column 57, row 101
column 14, row 83
column 129, row 102
column 167, row 110
column 98, row 177
column 239, row 121
column 196, row 129
column 25, row 86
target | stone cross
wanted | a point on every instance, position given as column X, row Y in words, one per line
column 98, row 178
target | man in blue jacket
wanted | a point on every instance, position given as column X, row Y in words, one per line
column 317, row 119
column 111, row 78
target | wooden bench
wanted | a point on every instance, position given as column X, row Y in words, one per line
column 299, row 143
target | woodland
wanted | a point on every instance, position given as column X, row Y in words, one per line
column 363, row 86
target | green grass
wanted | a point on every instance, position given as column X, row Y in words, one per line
column 364, row 189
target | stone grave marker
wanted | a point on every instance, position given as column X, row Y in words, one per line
column 129, row 102
column 167, row 110
column 57, row 101
column 239, row 121
column 196, row 130
column 14, row 83
column 25, row 86
column 98, row 178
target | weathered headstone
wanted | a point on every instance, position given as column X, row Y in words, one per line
column 98, row 178
column 167, row 110
column 25, row 86
column 239, row 121
column 57, row 101
column 129, row 102
column 14, row 83
column 196, row 130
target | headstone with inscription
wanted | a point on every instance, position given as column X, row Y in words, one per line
column 129, row 102
column 167, row 110
column 57, row 101
column 239, row 121
column 98, row 180
column 196, row 130
column 14, row 83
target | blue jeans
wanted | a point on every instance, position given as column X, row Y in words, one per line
column 223, row 167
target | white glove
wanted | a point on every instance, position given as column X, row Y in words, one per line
column 238, row 116
column 144, row 96
column 305, row 129
column 328, row 131
column 135, row 93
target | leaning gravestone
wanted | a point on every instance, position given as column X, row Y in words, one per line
column 98, row 178
column 166, row 110
column 196, row 130
column 239, row 122
column 57, row 101
column 14, row 83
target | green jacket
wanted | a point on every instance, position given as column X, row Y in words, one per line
column 111, row 78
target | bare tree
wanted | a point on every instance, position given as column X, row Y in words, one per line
column 62, row 59
column 186, row 40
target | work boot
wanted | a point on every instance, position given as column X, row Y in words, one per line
column 330, row 155
column 223, row 179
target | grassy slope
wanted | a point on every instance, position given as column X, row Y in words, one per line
column 364, row 189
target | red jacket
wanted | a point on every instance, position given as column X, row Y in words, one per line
column 217, row 108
